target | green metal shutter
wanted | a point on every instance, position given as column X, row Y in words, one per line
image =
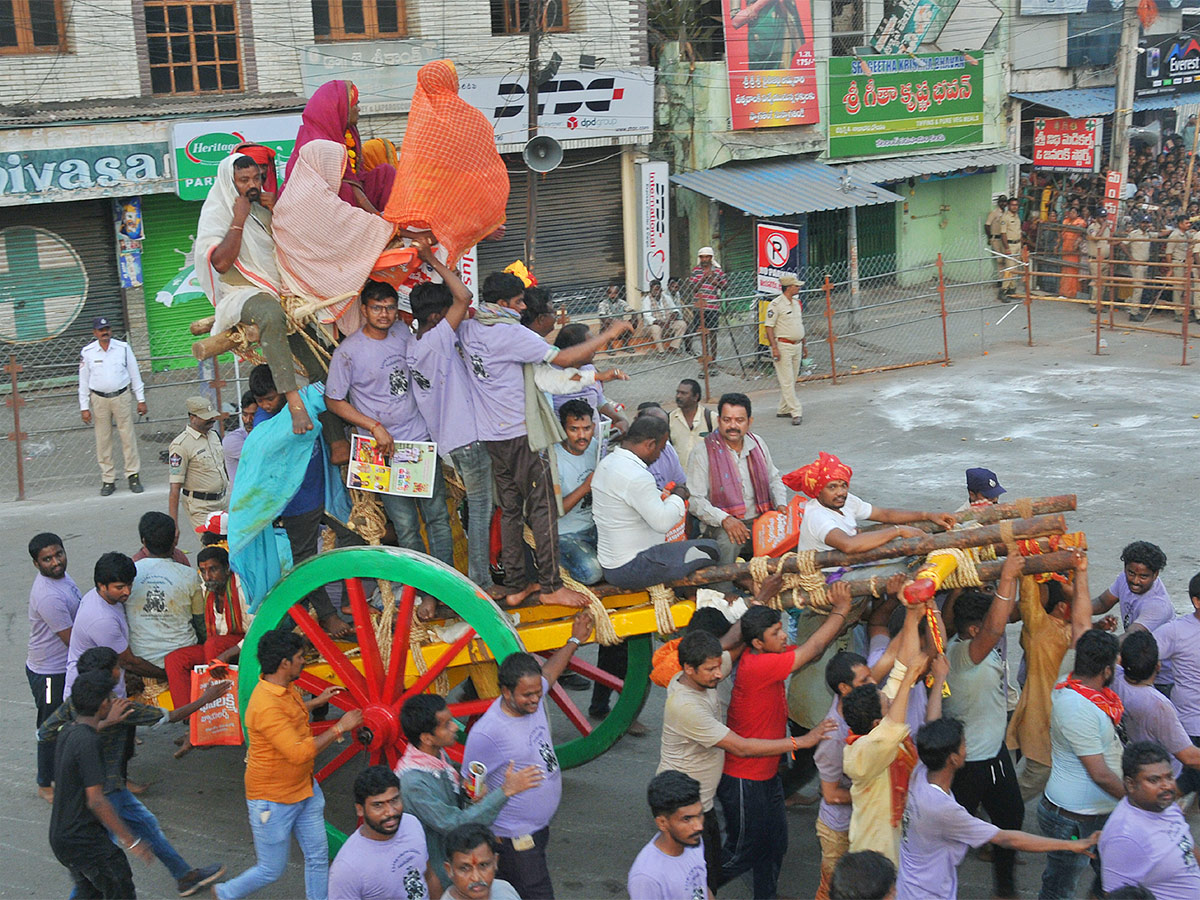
column 170, row 232
column 31, row 308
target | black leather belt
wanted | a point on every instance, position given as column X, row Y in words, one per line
column 200, row 495
column 1078, row 817
column 108, row 395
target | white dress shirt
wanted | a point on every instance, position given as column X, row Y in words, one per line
column 630, row 514
column 697, row 473
column 108, row 370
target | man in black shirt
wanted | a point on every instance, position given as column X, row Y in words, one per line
column 81, row 813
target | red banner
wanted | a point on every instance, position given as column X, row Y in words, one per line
column 1067, row 145
column 1112, row 196
column 772, row 68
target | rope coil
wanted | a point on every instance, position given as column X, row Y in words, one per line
column 807, row 584
column 662, row 597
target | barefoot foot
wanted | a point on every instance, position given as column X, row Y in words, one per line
column 184, row 749
column 336, row 627
column 428, row 609
column 47, row 794
column 564, row 596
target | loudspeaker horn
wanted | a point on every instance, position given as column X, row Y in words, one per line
column 542, row 154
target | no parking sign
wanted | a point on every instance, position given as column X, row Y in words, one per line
column 778, row 253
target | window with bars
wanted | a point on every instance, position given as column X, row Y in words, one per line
column 193, row 46
column 32, row 26
column 358, row 20
column 512, row 16
column 847, row 27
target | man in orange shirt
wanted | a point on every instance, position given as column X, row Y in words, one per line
column 281, row 795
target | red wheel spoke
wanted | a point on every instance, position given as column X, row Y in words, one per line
column 593, row 673
column 570, row 710
column 436, row 669
column 393, row 758
column 338, row 761
column 400, row 634
column 364, row 629
column 320, row 727
column 373, row 756
column 468, row 708
column 455, row 752
column 314, row 684
column 350, row 676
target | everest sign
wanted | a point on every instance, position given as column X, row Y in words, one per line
column 199, row 146
column 1067, row 145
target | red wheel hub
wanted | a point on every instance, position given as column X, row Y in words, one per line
column 384, row 725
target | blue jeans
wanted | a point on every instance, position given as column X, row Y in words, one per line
column 1063, row 869
column 756, row 831
column 144, row 825
column 407, row 513
column 577, row 554
column 272, row 825
column 474, row 466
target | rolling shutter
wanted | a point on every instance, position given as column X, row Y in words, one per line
column 579, row 224
column 46, row 302
column 170, row 232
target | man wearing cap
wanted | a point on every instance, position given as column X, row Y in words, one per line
column 1098, row 250
column 785, row 333
column 198, row 466
column 992, row 227
column 983, row 488
column 705, row 285
column 1008, row 240
column 107, row 371
column 1139, row 255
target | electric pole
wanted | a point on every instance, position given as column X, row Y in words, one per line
column 536, row 8
column 1127, row 55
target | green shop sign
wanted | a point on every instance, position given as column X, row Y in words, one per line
column 899, row 105
column 199, row 146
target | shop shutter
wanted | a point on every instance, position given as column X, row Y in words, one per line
column 25, row 319
column 578, row 222
column 170, row 232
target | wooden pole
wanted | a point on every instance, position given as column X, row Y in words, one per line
column 17, row 435
column 1040, row 506
column 1187, row 301
column 1028, row 295
column 942, row 299
column 829, row 323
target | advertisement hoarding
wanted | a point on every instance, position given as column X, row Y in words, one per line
column 772, row 67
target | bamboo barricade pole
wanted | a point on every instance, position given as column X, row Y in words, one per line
column 1187, row 298
column 941, row 270
column 1027, row 260
column 828, row 286
column 705, row 360
column 15, row 400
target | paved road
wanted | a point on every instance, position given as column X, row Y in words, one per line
column 1120, row 431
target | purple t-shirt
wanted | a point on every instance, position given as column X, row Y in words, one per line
column 494, row 357
column 1179, row 643
column 828, row 757
column 1150, row 610
column 365, row 869
column 655, row 875
column 666, row 468
column 937, row 833
column 53, row 603
column 498, row 738
column 98, row 623
column 918, row 695
column 592, row 395
column 231, row 446
column 1149, row 716
column 373, row 377
column 442, row 389
column 1151, row 849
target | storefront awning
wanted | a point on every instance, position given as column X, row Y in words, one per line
column 1078, row 102
column 784, row 187
column 889, row 171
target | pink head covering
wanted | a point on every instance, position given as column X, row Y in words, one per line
column 326, row 117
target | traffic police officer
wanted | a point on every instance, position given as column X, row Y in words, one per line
column 1008, row 228
column 1177, row 249
column 107, row 371
column 198, row 466
column 784, row 323
column 1139, row 255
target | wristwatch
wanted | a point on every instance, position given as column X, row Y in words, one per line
column 574, row 640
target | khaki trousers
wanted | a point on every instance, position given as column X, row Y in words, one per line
column 106, row 411
column 674, row 333
column 787, row 370
column 1137, row 273
column 198, row 511
column 834, row 845
column 1032, row 777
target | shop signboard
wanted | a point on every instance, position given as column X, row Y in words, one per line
column 771, row 59
column 80, row 173
column 891, row 106
column 198, row 147
column 385, row 72
column 907, row 24
column 1067, row 145
column 1169, row 65
column 654, row 231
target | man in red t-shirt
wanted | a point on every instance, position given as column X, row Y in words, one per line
column 751, row 791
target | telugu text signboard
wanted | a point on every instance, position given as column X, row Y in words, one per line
column 772, row 67
column 1067, row 145
column 896, row 105
column 385, row 72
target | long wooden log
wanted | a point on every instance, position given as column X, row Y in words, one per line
column 1058, row 561
column 202, row 326
column 987, row 535
column 215, row 345
column 989, row 515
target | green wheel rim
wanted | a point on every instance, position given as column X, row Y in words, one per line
column 629, row 703
column 425, row 574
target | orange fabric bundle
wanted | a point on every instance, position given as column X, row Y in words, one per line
column 451, row 180
column 665, row 663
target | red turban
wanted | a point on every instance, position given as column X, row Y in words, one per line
column 811, row 479
column 265, row 157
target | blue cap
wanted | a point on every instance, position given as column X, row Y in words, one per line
column 984, row 481
column 99, row 322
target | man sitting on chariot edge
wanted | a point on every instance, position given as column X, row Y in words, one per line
column 235, row 264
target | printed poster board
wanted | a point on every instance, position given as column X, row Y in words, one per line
column 408, row 473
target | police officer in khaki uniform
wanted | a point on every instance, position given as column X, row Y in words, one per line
column 991, row 227
column 1098, row 250
column 1139, row 255
column 198, row 466
column 1008, row 228
column 785, row 333
column 1177, row 249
